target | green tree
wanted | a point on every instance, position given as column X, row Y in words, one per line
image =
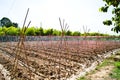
column 116, row 12
column 4, row 29
column 37, row 32
column 94, row 34
column 12, row 31
column 6, row 22
column 15, row 24
column 56, row 32
column 30, row 31
column 68, row 33
column 41, row 30
column 76, row 33
column 1, row 32
column 48, row 32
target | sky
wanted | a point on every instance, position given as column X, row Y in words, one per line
column 46, row 13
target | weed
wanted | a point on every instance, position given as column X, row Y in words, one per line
column 117, row 64
column 116, row 73
column 82, row 78
column 106, row 62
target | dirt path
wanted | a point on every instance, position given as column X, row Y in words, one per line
column 101, row 74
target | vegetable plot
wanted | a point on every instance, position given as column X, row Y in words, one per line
column 52, row 60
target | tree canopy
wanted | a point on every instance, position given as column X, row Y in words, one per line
column 7, row 22
column 33, row 31
column 115, row 20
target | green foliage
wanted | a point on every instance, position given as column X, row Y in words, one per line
column 12, row 31
column 97, row 34
column 116, row 12
column 103, row 9
column 1, row 32
column 30, row 31
column 114, row 3
column 76, row 33
column 7, row 22
column 82, row 78
column 37, row 32
column 15, row 24
column 106, row 62
column 48, row 32
column 94, row 34
column 116, row 71
column 107, row 22
column 117, row 64
column 41, row 31
column 68, row 33
column 4, row 29
column 116, row 74
column 56, row 32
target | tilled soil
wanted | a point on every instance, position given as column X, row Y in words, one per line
column 56, row 62
column 1, row 76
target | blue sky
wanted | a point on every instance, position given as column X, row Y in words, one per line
column 77, row 13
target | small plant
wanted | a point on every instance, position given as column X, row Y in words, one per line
column 116, row 71
column 104, row 63
column 82, row 78
column 117, row 64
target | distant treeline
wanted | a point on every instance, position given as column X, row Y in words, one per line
column 33, row 31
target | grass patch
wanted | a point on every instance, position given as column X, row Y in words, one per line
column 115, row 74
column 117, row 64
column 106, row 62
column 82, row 78
column 116, row 71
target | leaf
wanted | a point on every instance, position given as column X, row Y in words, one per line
column 107, row 22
